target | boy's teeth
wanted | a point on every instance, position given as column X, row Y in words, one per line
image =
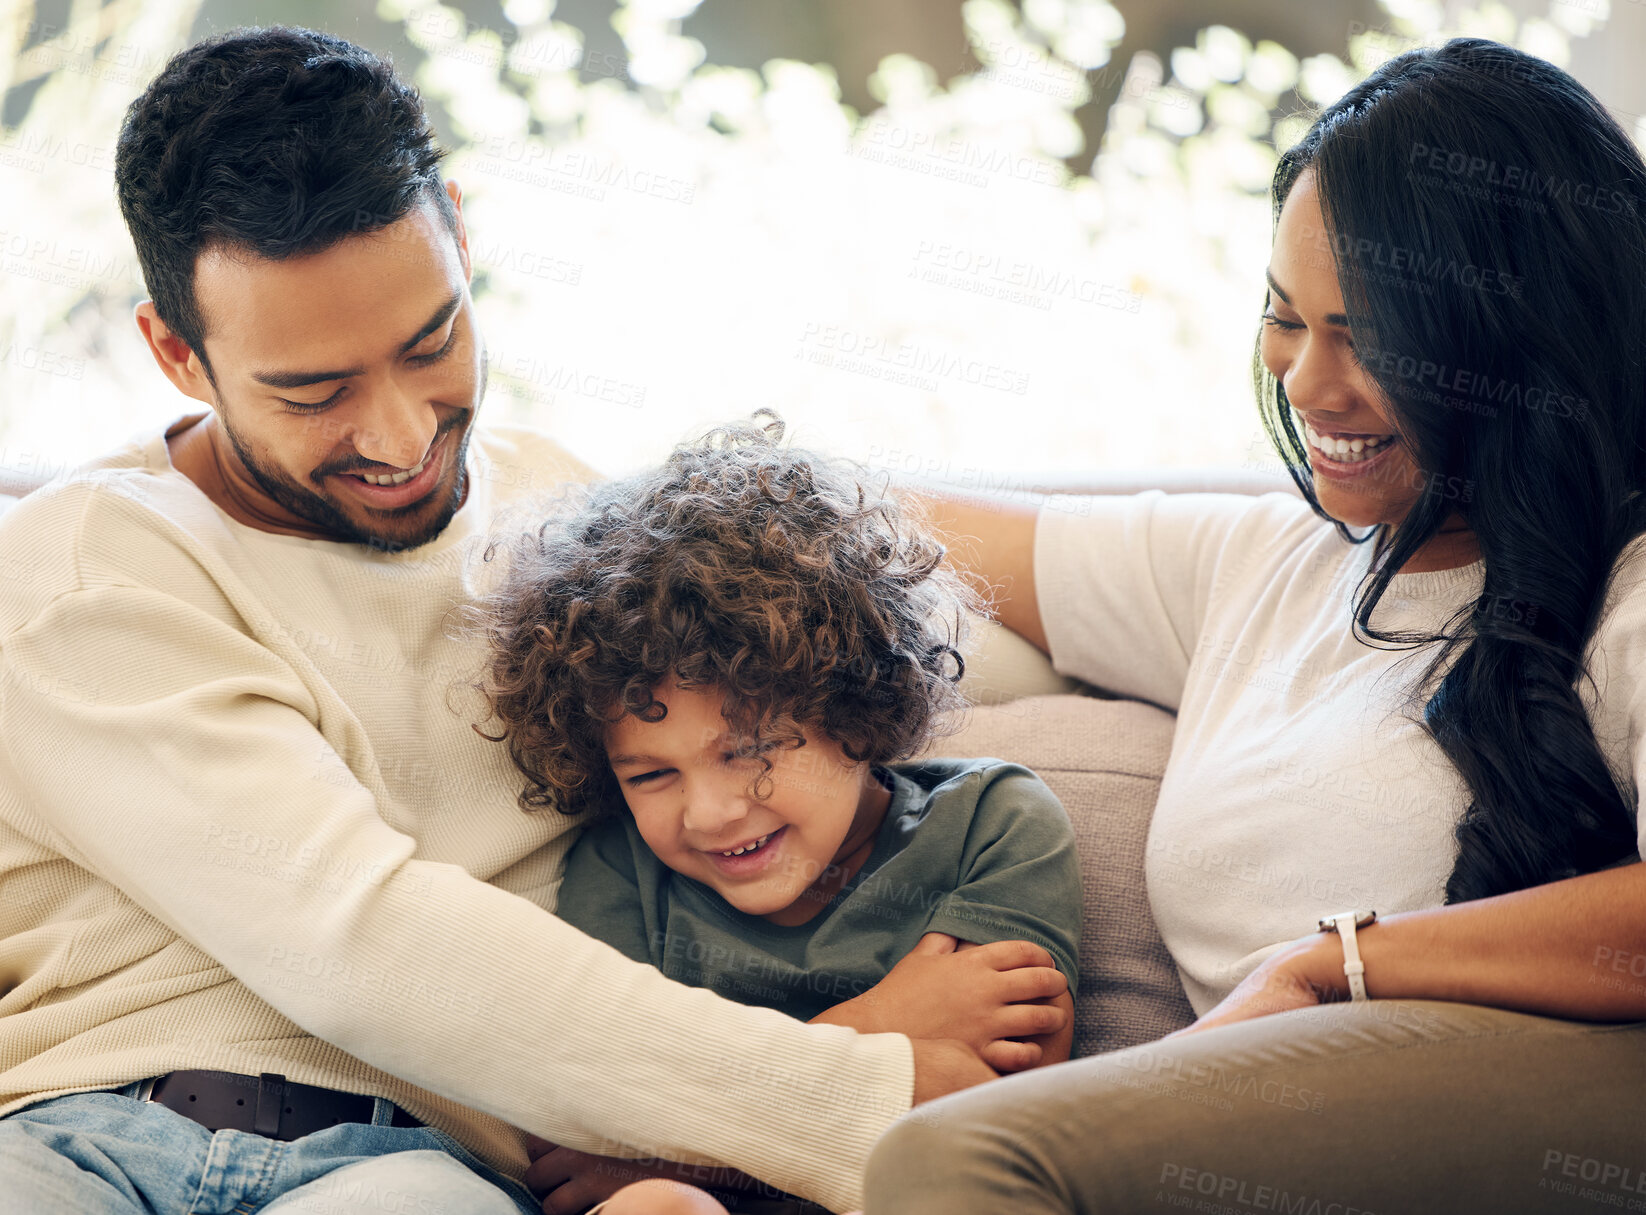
column 399, row 478
column 749, row 847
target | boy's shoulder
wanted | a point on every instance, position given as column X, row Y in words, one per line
column 985, row 782
column 965, row 806
column 613, row 838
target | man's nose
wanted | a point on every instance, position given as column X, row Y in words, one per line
column 393, row 428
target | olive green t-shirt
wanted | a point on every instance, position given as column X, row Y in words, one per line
column 977, row 848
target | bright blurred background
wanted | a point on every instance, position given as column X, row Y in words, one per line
column 964, row 238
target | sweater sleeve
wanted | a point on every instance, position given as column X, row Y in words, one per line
column 1124, row 580
column 138, row 725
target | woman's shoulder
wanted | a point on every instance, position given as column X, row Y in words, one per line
column 1184, row 508
column 1623, row 610
column 1214, row 533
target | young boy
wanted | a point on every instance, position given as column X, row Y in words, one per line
column 739, row 648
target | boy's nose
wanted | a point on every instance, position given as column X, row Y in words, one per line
column 711, row 812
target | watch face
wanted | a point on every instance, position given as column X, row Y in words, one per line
column 1361, row 919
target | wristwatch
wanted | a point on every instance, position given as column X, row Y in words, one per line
column 1344, row 924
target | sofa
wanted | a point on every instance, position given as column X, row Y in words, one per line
column 1101, row 754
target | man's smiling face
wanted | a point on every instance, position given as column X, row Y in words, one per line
column 346, row 381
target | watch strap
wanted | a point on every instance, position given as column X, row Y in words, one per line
column 1354, row 969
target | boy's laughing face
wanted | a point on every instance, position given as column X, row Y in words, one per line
column 782, row 856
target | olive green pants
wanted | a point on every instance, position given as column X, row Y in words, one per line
column 1387, row 1107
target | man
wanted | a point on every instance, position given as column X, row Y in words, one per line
column 259, row 873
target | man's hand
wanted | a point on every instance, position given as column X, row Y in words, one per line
column 981, row 995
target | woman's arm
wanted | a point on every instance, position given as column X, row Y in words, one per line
column 1574, row 949
column 992, row 539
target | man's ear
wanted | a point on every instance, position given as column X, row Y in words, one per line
column 455, row 192
column 181, row 365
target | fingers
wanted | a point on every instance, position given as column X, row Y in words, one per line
column 1030, row 983
column 1026, row 1020
column 554, row 1167
column 1006, row 1056
column 570, row 1199
column 1009, row 955
column 536, row 1147
column 935, row 942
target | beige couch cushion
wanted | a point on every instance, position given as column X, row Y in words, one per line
column 1104, row 759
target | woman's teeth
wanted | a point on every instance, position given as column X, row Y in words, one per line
column 398, row 478
column 750, row 847
column 1347, row 450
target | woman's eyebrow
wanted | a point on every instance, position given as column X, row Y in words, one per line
column 1333, row 318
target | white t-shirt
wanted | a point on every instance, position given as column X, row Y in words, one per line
column 1297, row 784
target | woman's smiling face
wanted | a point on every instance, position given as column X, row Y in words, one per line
column 1307, row 346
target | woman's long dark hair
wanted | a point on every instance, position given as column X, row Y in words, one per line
column 1487, row 221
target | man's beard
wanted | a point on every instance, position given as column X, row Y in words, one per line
column 324, row 514
column 321, row 511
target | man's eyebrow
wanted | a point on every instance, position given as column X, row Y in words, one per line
column 441, row 315
column 302, row 379
column 1333, row 318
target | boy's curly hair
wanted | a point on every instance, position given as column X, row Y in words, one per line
column 806, row 596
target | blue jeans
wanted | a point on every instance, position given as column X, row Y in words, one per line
column 114, row 1153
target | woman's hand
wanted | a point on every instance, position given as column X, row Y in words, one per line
column 982, row 995
column 1296, row 977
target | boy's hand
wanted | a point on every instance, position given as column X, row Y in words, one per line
column 570, row 1182
column 982, row 995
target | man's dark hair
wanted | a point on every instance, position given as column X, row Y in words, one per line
column 277, row 141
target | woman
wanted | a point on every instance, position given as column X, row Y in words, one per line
column 1456, row 327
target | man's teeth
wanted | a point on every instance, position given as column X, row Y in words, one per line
column 1347, row 451
column 750, row 847
column 398, row 478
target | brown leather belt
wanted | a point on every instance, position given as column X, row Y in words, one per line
column 267, row 1105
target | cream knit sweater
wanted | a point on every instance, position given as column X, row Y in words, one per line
column 245, row 825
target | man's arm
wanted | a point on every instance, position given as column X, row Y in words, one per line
column 138, row 726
